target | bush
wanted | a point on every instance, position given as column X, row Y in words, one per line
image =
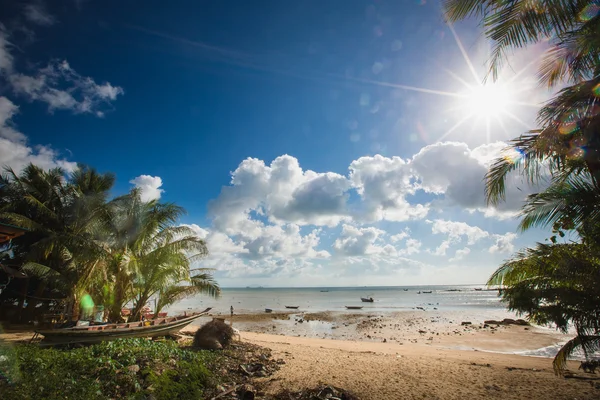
column 213, row 335
column 130, row 368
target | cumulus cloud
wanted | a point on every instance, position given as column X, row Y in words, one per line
column 504, row 243
column 36, row 13
column 14, row 151
column 358, row 241
column 412, row 246
column 400, row 236
column 383, row 184
column 281, row 191
column 273, row 250
column 457, row 230
column 456, row 173
column 149, row 186
column 460, row 254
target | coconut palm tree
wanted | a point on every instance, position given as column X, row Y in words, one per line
column 573, row 27
column 558, row 284
column 148, row 254
column 568, row 139
column 62, row 213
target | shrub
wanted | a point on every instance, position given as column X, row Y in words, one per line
column 130, row 368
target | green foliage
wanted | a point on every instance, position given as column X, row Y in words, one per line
column 104, row 371
column 556, row 283
column 121, row 251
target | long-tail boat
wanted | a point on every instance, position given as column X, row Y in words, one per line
column 99, row 333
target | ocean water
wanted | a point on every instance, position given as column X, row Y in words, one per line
column 387, row 299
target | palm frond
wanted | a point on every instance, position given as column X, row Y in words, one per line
column 590, row 344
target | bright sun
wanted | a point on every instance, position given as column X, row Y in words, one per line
column 487, row 101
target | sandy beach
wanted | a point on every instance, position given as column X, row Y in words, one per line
column 392, row 371
column 413, row 355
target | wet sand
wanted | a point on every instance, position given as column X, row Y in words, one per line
column 431, row 328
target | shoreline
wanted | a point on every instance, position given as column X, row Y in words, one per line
column 438, row 329
column 385, row 370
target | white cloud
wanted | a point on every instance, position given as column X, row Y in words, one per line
column 383, row 184
column 503, row 243
column 442, row 248
column 400, row 236
column 6, row 59
column 62, row 88
column 456, row 230
column 413, row 246
column 456, row 172
column 7, row 129
column 14, row 151
column 149, row 185
column 37, row 14
column 358, row 241
column 460, row 254
column 283, row 193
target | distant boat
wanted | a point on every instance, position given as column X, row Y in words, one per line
column 367, row 299
column 427, row 292
column 324, row 291
column 293, row 307
column 268, row 310
column 354, row 307
column 479, row 289
column 406, row 290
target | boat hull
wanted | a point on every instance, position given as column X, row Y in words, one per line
column 100, row 333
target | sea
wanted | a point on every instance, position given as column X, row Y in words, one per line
column 474, row 298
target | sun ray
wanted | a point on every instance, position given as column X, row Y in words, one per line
column 511, row 115
column 457, row 78
column 453, row 128
column 501, row 123
column 399, row 86
column 464, row 53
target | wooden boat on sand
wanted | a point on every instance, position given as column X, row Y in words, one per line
column 99, row 333
column 354, row 307
column 292, row 307
column 268, row 310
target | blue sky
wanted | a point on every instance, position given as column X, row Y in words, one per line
column 312, row 143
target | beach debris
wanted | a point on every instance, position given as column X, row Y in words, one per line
column 254, row 369
column 507, row 321
column 590, row 366
column 246, row 392
column 465, row 323
column 134, row 369
column 213, row 335
column 325, row 392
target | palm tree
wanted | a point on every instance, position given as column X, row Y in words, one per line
column 568, row 139
column 61, row 212
column 559, row 284
column 573, row 26
column 147, row 254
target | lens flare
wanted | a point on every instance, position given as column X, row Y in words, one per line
column 589, row 12
column 596, row 90
column 513, row 155
column 567, row 128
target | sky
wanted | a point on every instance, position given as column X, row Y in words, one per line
column 312, row 143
